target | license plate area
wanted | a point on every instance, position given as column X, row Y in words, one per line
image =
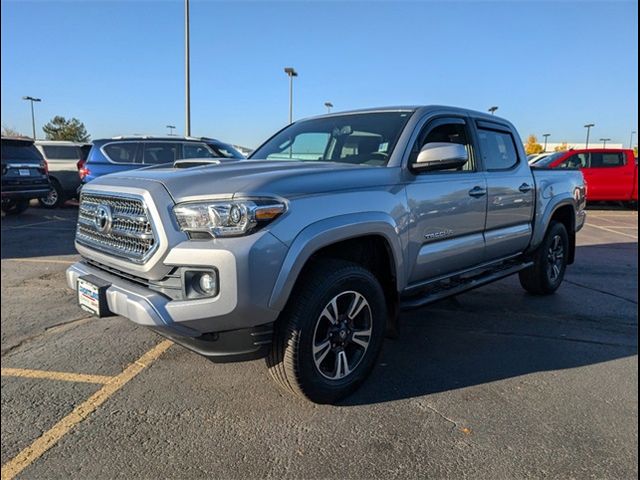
column 92, row 295
column 24, row 172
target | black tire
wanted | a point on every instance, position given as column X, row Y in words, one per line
column 15, row 207
column 56, row 197
column 292, row 363
column 550, row 262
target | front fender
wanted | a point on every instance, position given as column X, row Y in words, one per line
column 329, row 231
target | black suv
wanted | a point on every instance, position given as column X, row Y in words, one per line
column 24, row 174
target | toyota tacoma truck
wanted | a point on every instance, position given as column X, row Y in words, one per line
column 306, row 253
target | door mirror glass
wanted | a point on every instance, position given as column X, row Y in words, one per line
column 441, row 156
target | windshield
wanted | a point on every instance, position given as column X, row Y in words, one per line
column 546, row 161
column 359, row 138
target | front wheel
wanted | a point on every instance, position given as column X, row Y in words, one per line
column 550, row 262
column 329, row 335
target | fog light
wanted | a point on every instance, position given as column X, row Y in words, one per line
column 200, row 283
column 207, row 283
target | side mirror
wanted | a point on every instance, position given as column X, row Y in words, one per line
column 441, row 156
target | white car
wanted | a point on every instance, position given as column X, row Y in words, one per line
column 62, row 158
column 535, row 158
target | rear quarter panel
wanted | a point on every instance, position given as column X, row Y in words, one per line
column 555, row 189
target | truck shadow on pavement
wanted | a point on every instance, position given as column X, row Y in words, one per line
column 500, row 332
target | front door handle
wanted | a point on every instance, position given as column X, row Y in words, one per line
column 477, row 192
column 525, row 187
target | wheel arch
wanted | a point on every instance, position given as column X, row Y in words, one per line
column 562, row 210
column 362, row 238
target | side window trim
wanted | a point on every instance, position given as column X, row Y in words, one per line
column 428, row 123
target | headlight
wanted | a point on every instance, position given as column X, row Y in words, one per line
column 227, row 218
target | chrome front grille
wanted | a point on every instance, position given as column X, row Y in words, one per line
column 116, row 225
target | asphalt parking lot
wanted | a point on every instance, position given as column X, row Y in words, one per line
column 494, row 383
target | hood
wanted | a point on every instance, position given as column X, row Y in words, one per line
column 288, row 179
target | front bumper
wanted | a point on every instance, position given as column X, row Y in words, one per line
column 228, row 327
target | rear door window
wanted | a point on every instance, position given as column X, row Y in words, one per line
column 159, row 152
column 604, row 159
column 124, row 152
column 61, row 152
column 498, row 149
column 196, row 150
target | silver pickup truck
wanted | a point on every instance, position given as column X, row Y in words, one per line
column 305, row 253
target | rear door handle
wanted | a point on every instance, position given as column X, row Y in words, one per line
column 525, row 187
column 477, row 192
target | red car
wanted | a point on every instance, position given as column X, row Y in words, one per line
column 610, row 174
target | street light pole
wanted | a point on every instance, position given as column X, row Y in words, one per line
column 187, row 80
column 546, row 136
column 588, row 127
column 291, row 72
column 631, row 139
column 329, row 106
column 493, row 109
column 171, row 128
column 33, row 117
column 604, row 142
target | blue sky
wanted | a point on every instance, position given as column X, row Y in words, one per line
column 118, row 66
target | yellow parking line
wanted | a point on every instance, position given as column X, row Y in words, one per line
column 49, row 375
column 613, row 231
column 48, row 439
column 39, row 260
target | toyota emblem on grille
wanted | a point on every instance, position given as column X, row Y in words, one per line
column 103, row 219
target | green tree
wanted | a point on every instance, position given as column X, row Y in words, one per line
column 532, row 146
column 59, row 128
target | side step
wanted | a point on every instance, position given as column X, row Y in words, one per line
column 456, row 284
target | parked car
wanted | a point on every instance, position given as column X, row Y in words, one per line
column 62, row 158
column 610, row 174
column 537, row 157
column 307, row 259
column 24, row 174
column 120, row 154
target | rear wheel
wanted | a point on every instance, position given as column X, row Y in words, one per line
column 55, row 198
column 329, row 335
column 550, row 262
column 14, row 207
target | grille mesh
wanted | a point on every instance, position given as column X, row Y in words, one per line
column 131, row 234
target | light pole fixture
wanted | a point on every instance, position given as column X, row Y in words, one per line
column 187, row 79
column 33, row 117
column 493, row 109
column 291, row 72
column 329, row 106
column 588, row 127
column 546, row 136
column 604, row 142
column 171, row 129
column 633, row 132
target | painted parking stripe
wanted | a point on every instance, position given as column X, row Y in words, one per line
column 613, row 231
column 48, row 439
column 49, row 375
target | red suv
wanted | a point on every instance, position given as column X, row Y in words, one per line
column 610, row 174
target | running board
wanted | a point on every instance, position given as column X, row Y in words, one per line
column 454, row 285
